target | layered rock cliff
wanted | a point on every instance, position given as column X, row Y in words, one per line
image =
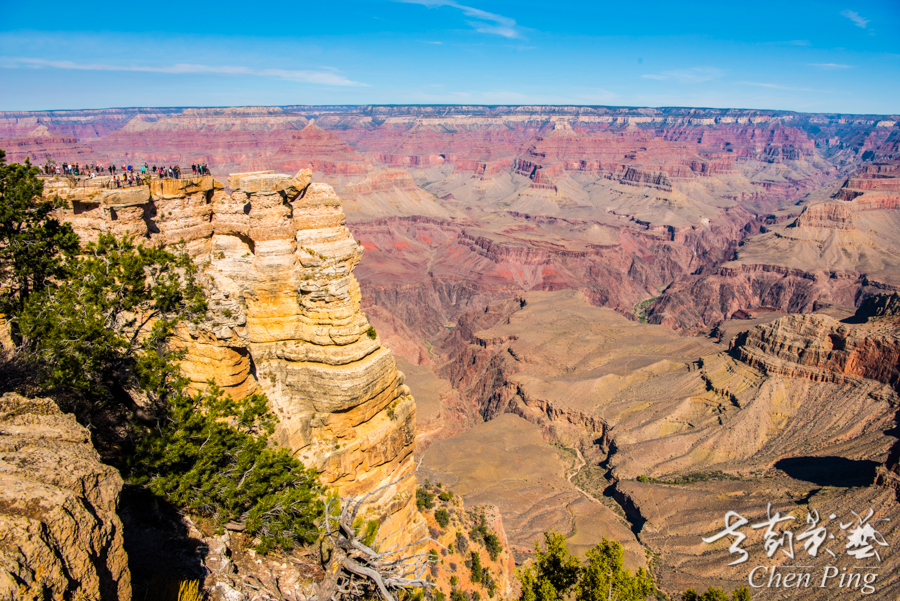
column 284, row 318
column 819, row 348
column 60, row 536
column 841, row 249
column 682, row 173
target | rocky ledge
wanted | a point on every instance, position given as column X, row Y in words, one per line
column 60, row 536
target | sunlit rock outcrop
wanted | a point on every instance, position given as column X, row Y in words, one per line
column 60, row 536
column 284, row 319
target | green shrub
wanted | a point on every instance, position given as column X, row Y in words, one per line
column 108, row 328
column 211, row 455
column 488, row 537
column 442, row 517
column 716, row 594
column 476, row 566
column 458, row 595
column 557, row 574
column 33, row 244
column 424, row 498
column 371, row 333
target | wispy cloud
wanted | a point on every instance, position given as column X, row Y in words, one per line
column 830, row 66
column 315, row 77
column 775, row 86
column 787, row 43
column 856, row 18
column 485, row 22
column 692, row 75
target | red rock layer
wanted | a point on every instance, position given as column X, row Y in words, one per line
column 704, row 301
column 40, row 148
column 320, row 150
column 427, row 272
column 819, row 348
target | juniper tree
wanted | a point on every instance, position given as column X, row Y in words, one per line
column 107, row 329
column 556, row 573
column 210, row 454
column 33, row 244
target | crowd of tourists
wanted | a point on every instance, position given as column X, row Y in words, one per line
column 124, row 176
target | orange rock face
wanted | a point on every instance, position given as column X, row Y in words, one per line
column 820, row 348
column 284, row 318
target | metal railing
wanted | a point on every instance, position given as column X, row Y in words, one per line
column 109, row 181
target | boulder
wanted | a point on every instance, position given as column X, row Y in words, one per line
column 61, row 536
column 270, row 183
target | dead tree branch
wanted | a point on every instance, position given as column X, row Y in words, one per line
column 354, row 569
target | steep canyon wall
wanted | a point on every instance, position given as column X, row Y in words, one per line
column 285, row 318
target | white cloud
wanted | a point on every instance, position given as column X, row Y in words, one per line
column 830, row 66
column 314, row 77
column 854, row 16
column 692, row 75
column 486, row 22
column 775, row 86
column 507, row 32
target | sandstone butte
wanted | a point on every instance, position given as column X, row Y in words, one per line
column 284, row 319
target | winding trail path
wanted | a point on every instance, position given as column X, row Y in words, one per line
column 575, row 470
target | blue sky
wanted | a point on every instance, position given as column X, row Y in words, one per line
column 821, row 56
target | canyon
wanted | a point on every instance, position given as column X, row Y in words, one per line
column 614, row 322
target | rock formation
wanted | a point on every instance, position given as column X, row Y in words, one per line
column 819, row 348
column 841, row 250
column 323, row 151
column 285, row 318
column 389, row 193
column 702, row 178
column 61, row 536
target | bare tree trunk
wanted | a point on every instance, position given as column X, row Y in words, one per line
column 353, row 569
